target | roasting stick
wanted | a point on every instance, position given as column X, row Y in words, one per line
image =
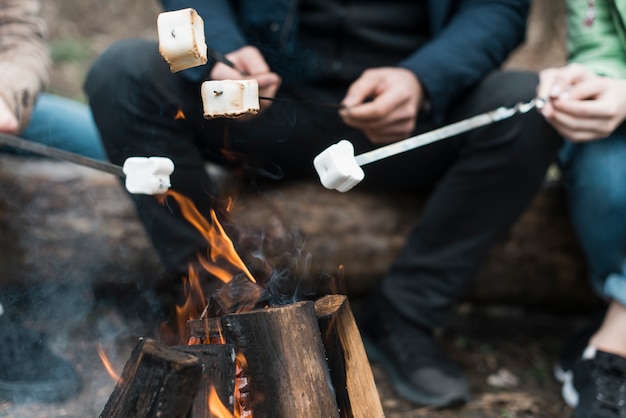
column 41, row 149
column 338, row 167
column 144, row 175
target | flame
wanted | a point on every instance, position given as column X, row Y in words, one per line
column 220, row 250
column 107, row 364
column 194, row 302
column 217, row 408
column 221, row 246
column 180, row 114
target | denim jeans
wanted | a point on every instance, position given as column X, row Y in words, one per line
column 594, row 174
column 66, row 124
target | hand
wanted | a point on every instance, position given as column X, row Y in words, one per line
column 582, row 106
column 250, row 64
column 384, row 104
column 8, row 121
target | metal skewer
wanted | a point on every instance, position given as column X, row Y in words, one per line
column 447, row 131
column 45, row 150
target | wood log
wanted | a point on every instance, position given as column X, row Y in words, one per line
column 350, row 371
column 205, row 331
column 157, row 381
column 218, row 361
column 352, row 236
column 286, row 372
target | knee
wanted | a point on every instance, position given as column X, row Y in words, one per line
column 123, row 64
column 597, row 170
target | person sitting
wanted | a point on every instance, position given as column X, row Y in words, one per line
column 29, row 369
column 587, row 105
column 398, row 68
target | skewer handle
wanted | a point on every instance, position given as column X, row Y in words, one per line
column 48, row 151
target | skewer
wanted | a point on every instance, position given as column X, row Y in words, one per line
column 144, row 175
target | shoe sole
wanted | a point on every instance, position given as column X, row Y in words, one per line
column 568, row 392
column 405, row 389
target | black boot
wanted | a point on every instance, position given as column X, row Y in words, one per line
column 417, row 366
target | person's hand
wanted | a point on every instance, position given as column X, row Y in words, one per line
column 250, row 64
column 384, row 104
column 581, row 105
column 8, row 121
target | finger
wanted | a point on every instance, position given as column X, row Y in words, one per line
column 222, row 71
column 585, row 89
column 268, row 81
column 576, row 126
column 584, row 109
column 566, row 78
column 364, row 88
column 547, row 80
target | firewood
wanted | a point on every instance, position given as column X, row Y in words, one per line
column 350, row 371
column 219, row 373
column 204, row 331
column 157, row 380
column 286, row 372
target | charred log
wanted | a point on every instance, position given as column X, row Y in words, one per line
column 156, row 381
column 218, row 361
column 286, row 374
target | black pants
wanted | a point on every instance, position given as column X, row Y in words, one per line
column 481, row 181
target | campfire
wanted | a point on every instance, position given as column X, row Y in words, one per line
column 242, row 353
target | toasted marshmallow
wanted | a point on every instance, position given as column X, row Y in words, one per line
column 230, row 98
column 181, row 39
column 148, row 175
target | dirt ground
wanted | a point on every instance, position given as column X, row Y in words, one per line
column 487, row 341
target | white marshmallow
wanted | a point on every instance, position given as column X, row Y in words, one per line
column 337, row 167
column 181, row 39
column 230, row 98
column 148, row 175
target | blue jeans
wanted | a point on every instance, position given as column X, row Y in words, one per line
column 66, row 124
column 594, row 174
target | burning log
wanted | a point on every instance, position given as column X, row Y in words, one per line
column 355, row 388
column 219, row 374
column 157, row 381
column 286, row 373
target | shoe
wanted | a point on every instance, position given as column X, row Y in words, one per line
column 29, row 371
column 564, row 369
column 415, row 363
column 600, row 380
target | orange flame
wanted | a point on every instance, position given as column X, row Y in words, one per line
column 107, row 364
column 221, row 246
column 180, row 114
column 217, row 408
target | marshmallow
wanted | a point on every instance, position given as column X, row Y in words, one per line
column 148, row 175
column 181, row 39
column 337, row 167
column 230, row 98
